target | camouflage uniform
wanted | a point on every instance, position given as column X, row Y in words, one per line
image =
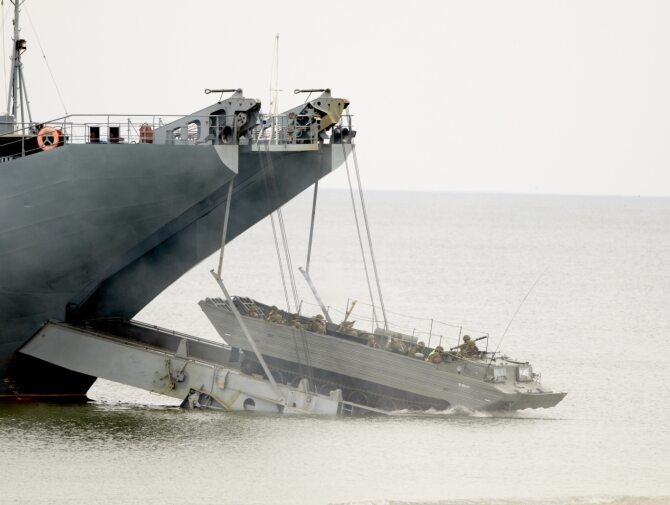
column 395, row 345
column 274, row 316
column 317, row 325
column 416, row 349
column 347, row 327
column 295, row 322
column 469, row 348
column 436, row 355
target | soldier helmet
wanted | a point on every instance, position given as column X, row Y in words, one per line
column 466, row 338
column 318, row 316
column 439, row 348
column 421, row 344
column 274, row 307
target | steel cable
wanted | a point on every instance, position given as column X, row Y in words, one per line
column 360, row 238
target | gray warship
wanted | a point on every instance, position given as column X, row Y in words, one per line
column 372, row 376
column 100, row 213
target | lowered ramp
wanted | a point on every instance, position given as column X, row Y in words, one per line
column 198, row 372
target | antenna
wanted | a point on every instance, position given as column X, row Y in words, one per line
column 519, row 308
column 274, row 84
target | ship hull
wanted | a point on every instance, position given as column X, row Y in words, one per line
column 90, row 231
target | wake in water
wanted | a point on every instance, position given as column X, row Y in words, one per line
column 457, row 412
column 449, row 412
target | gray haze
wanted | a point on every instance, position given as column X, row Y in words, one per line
column 516, row 96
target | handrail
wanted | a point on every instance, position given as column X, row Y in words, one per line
column 270, row 129
column 411, row 329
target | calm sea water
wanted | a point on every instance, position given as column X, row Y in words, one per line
column 597, row 324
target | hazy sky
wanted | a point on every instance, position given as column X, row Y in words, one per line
column 516, row 96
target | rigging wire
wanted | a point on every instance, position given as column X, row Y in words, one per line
column 282, row 231
column 311, row 226
column 272, row 193
column 53, row 79
column 307, row 368
column 281, row 264
column 287, row 255
column 274, row 110
column 274, row 98
column 274, row 107
column 367, row 229
column 360, row 238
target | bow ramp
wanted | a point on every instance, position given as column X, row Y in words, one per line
column 200, row 373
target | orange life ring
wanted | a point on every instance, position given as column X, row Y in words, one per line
column 48, row 138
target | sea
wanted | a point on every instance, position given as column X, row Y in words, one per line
column 577, row 285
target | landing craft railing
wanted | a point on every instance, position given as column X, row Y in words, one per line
column 142, row 129
column 409, row 329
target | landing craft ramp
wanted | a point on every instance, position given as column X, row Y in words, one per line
column 196, row 371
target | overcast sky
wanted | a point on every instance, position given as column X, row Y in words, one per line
column 516, row 96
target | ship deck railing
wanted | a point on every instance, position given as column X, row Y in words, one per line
column 270, row 129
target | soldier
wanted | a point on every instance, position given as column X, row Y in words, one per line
column 347, row 327
column 274, row 316
column 295, row 322
column 253, row 312
column 317, row 325
column 436, row 355
column 396, row 346
column 469, row 348
column 417, row 349
column 372, row 341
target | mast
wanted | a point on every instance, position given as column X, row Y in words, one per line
column 274, row 86
column 17, row 93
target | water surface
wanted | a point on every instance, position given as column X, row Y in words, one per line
column 596, row 324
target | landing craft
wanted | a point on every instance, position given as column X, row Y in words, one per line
column 339, row 358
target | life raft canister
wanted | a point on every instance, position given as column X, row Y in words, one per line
column 48, row 138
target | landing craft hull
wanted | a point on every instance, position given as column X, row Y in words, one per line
column 90, row 231
column 376, row 377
